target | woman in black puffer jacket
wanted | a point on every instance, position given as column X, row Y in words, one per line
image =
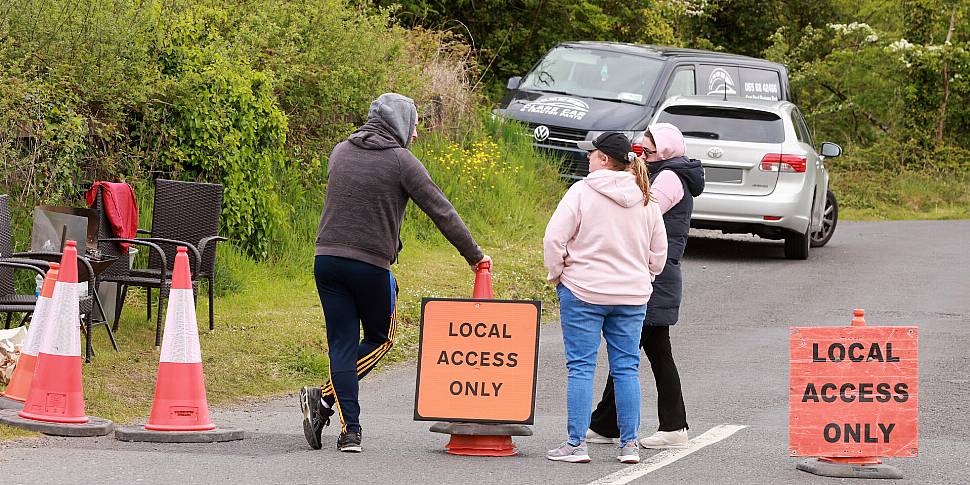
column 675, row 181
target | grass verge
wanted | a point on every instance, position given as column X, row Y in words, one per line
column 866, row 195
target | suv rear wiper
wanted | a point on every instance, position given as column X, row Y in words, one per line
column 702, row 134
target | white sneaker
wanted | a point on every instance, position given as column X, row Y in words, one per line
column 665, row 439
column 596, row 438
column 569, row 453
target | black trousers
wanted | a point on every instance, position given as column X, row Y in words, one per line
column 355, row 296
column 655, row 342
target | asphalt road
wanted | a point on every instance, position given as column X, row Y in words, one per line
column 731, row 345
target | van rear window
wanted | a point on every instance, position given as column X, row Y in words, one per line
column 734, row 124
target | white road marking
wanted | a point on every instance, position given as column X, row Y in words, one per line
column 667, row 457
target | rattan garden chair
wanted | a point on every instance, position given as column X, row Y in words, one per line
column 184, row 214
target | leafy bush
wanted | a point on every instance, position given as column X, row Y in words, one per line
column 41, row 137
column 219, row 120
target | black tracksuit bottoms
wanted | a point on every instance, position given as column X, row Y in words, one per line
column 355, row 295
column 655, row 342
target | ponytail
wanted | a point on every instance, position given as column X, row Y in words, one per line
column 642, row 175
column 636, row 165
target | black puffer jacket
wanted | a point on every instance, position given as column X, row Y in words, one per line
column 664, row 305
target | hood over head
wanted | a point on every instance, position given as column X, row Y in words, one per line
column 669, row 140
column 689, row 170
column 390, row 122
column 619, row 186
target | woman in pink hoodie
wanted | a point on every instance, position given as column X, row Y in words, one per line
column 603, row 246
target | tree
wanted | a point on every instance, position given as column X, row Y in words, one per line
column 511, row 36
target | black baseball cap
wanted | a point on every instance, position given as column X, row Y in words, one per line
column 612, row 143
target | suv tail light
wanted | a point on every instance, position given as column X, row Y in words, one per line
column 777, row 162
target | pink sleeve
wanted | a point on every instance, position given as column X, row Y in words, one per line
column 667, row 189
column 658, row 244
column 561, row 228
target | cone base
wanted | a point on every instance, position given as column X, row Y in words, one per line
column 19, row 386
column 176, row 427
column 480, row 445
column 51, row 419
column 93, row 427
column 481, row 429
column 139, row 433
column 845, row 470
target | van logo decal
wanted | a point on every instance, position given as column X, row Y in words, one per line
column 720, row 82
column 565, row 107
column 541, row 133
column 715, row 152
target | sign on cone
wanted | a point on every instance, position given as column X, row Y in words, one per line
column 180, row 401
column 23, row 374
column 55, row 391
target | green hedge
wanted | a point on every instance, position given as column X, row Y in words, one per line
column 250, row 94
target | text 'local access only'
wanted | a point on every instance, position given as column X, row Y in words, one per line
column 853, row 391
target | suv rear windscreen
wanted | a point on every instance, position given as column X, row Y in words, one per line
column 734, row 124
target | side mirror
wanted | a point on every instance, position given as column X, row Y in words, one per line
column 831, row 150
column 514, row 83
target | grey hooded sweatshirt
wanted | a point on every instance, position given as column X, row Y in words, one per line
column 371, row 177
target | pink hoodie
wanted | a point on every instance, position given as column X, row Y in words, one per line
column 602, row 242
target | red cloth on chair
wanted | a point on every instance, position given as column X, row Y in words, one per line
column 119, row 204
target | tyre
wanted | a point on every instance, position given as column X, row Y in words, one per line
column 830, row 217
column 796, row 245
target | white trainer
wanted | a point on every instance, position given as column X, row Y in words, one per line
column 665, row 439
column 596, row 438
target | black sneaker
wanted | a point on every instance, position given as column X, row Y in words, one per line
column 315, row 415
column 349, row 442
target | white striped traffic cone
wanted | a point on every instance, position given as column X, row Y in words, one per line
column 56, row 394
column 180, row 401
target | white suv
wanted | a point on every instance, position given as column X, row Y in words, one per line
column 762, row 173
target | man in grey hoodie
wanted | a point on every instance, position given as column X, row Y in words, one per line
column 371, row 177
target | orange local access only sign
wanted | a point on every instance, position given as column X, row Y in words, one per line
column 477, row 361
column 853, row 392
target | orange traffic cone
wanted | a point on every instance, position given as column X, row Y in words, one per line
column 481, row 439
column 180, row 401
column 23, row 374
column 55, row 391
column 483, row 281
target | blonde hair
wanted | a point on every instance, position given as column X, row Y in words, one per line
column 641, row 174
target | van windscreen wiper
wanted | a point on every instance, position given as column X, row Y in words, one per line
column 552, row 91
column 616, row 100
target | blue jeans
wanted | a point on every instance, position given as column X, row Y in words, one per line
column 582, row 324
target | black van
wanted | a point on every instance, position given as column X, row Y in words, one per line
column 581, row 89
